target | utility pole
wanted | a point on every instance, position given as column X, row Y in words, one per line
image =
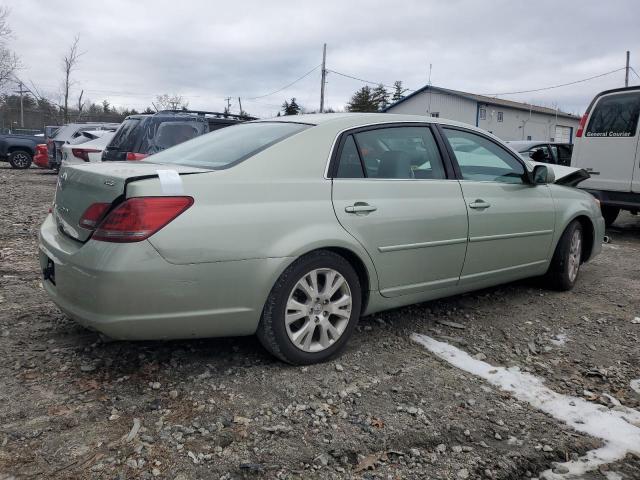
column 228, row 100
column 324, row 76
column 21, row 92
column 626, row 71
column 240, row 105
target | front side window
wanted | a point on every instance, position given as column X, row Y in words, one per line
column 228, row 146
column 481, row 159
column 615, row 116
column 393, row 153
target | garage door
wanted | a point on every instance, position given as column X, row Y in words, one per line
column 563, row 134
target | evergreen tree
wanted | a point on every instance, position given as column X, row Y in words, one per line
column 291, row 108
column 398, row 91
column 363, row 101
column 381, row 97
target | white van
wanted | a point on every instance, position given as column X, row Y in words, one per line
column 606, row 146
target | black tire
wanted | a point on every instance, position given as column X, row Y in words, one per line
column 20, row 159
column 558, row 276
column 272, row 331
column 609, row 214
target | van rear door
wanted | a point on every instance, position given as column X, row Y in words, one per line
column 609, row 144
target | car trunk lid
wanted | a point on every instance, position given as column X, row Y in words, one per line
column 80, row 186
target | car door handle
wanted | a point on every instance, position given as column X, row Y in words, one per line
column 360, row 207
column 479, row 204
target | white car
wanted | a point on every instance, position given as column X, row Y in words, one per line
column 87, row 147
column 606, row 146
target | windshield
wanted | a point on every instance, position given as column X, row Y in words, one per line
column 228, row 146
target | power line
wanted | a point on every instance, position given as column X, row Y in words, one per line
column 366, row 81
column 286, row 86
column 553, row 86
column 634, row 72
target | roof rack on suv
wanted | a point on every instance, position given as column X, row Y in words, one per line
column 203, row 112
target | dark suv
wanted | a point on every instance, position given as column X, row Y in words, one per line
column 142, row 135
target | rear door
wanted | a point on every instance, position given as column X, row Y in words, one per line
column 609, row 144
column 511, row 222
column 391, row 191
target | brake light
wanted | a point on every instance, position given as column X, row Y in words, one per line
column 132, row 156
column 83, row 153
column 582, row 123
column 140, row 217
column 92, row 215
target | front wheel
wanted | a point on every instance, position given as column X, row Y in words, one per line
column 565, row 264
column 312, row 309
column 20, row 159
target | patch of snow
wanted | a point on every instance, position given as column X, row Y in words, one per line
column 559, row 339
column 613, row 476
column 620, row 428
column 635, row 385
column 635, row 320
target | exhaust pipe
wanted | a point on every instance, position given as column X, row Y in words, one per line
column 606, row 239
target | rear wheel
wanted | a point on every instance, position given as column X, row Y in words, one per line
column 609, row 214
column 20, row 159
column 565, row 264
column 312, row 309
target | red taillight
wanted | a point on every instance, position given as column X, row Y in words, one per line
column 41, row 149
column 92, row 215
column 136, row 156
column 83, row 153
column 582, row 123
column 138, row 218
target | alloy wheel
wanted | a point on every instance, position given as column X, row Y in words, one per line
column 21, row 160
column 575, row 255
column 318, row 310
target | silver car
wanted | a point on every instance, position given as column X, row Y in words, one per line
column 293, row 228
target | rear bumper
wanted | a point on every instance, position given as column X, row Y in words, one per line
column 128, row 291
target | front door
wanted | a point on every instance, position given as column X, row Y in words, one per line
column 511, row 222
column 392, row 194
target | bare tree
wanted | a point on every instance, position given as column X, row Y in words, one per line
column 80, row 104
column 69, row 63
column 173, row 102
column 8, row 60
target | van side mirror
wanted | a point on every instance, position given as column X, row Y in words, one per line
column 542, row 175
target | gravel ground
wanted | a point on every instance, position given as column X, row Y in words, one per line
column 75, row 405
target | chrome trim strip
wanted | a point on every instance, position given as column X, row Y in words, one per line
column 411, row 246
column 393, row 291
column 510, row 235
column 501, row 270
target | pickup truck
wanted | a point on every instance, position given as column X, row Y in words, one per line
column 19, row 150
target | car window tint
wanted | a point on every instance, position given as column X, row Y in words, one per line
column 228, row 146
column 123, row 138
column 400, row 152
column 615, row 116
column 349, row 165
column 545, row 156
column 483, row 160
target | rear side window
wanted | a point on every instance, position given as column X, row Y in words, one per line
column 228, row 146
column 392, row 153
column 615, row 116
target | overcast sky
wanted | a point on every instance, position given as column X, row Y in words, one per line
column 209, row 50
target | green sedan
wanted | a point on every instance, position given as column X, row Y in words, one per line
column 293, row 228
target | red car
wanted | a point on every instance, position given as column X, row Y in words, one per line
column 41, row 158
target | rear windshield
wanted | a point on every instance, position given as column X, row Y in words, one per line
column 615, row 116
column 123, row 140
column 166, row 133
column 228, row 146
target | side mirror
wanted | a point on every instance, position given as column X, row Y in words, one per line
column 542, row 175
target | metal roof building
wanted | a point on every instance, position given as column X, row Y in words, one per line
column 506, row 119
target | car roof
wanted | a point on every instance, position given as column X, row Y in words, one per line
column 353, row 120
